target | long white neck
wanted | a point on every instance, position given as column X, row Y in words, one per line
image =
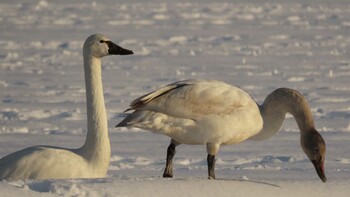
column 275, row 107
column 97, row 146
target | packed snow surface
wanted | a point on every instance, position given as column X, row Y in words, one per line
column 256, row 45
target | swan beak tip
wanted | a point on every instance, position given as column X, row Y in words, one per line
column 123, row 51
column 319, row 166
column 127, row 52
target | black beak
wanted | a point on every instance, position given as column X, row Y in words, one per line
column 114, row 49
column 319, row 166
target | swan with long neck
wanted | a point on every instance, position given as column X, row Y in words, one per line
column 215, row 113
column 92, row 159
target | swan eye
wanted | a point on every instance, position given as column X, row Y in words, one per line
column 102, row 41
column 316, row 150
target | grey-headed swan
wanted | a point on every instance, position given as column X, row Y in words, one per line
column 215, row 113
column 92, row 159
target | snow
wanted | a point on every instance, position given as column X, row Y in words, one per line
column 256, row 45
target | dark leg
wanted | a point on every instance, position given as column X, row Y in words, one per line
column 211, row 166
column 168, row 172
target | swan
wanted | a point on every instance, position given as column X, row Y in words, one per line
column 215, row 113
column 92, row 159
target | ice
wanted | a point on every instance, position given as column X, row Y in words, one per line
column 256, row 45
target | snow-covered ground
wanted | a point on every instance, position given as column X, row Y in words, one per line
column 256, row 45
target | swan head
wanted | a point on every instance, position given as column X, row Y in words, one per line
column 315, row 148
column 99, row 46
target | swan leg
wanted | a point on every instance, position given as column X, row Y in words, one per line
column 212, row 150
column 211, row 165
column 168, row 171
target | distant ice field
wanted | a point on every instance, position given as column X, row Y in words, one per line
column 255, row 45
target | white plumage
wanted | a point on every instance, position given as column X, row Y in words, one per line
column 92, row 159
column 189, row 111
column 215, row 113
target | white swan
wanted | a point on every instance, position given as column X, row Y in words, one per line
column 92, row 159
column 215, row 113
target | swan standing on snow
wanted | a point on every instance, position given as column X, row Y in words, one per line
column 92, row 159
column 215, row 113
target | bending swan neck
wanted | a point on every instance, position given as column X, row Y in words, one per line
column 277, row 105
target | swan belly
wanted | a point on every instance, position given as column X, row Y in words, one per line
column 45, row 163
column 212, row 128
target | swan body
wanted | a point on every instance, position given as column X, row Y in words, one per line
column 92, row 159
column 214, row 113
column 190, row 111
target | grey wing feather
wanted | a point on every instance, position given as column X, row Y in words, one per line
column 143, row 100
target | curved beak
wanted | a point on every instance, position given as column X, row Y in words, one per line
column 114, row 49
column 319, row 166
